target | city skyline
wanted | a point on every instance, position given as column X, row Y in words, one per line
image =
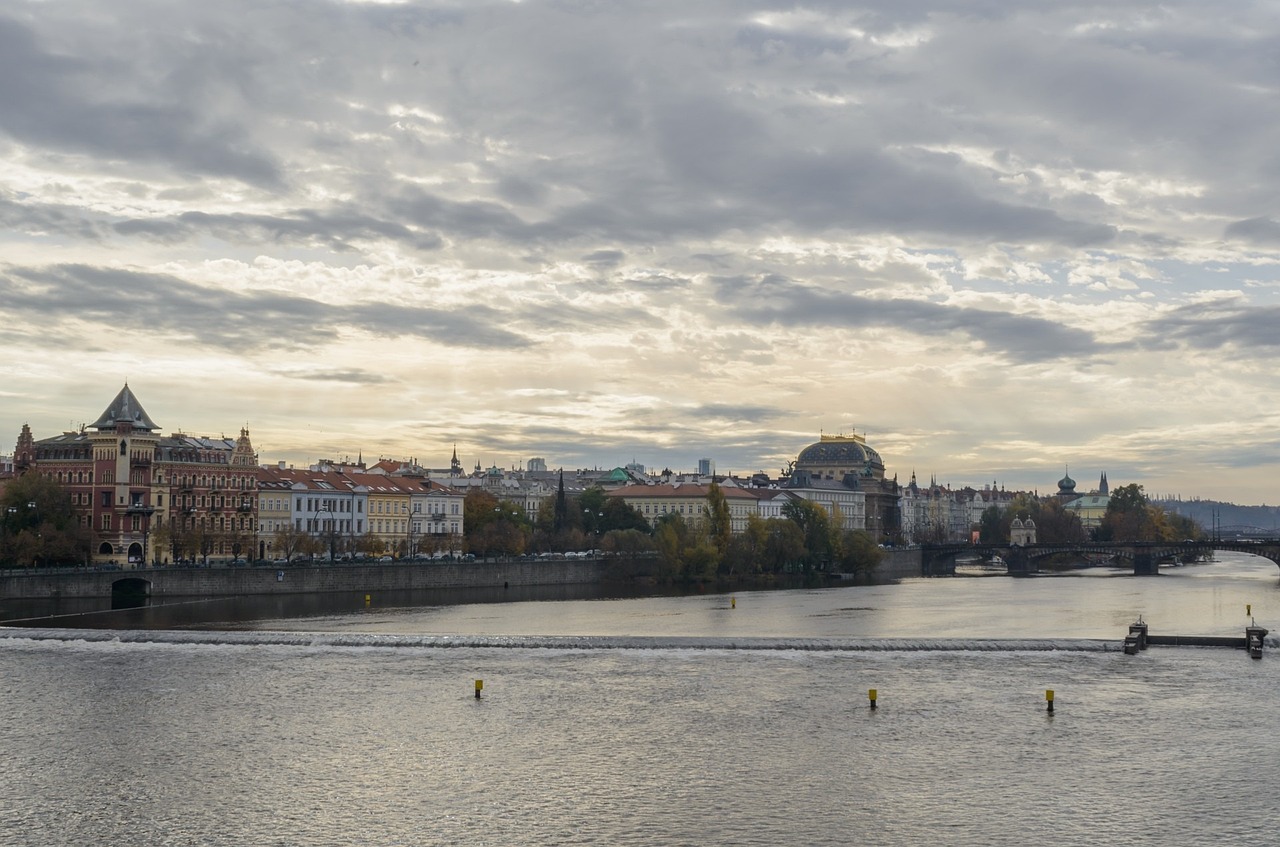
column 997, row 241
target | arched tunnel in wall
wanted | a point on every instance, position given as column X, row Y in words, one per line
column 130, row 592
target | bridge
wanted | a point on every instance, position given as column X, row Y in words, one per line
column 1145, row 556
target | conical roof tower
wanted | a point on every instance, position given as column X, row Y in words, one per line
column 125, row 409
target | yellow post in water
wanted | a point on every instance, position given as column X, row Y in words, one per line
column 1048, row 696
column 479, row 685
column 871, row 695
column 733, row 602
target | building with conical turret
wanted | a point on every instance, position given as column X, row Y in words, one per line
column 149, row 498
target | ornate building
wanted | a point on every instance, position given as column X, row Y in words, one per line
column 149, row 498
column 849, row 462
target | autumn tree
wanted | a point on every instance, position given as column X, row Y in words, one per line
column 718, row 520
column 38, row 525
column 815, row 528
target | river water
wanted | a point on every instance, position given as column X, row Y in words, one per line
column 706, row 719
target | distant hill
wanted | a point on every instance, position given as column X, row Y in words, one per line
column 1227, row 516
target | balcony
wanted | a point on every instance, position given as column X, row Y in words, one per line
column 439, row 516
column 139, row 509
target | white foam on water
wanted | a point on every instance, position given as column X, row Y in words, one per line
column 562, row 642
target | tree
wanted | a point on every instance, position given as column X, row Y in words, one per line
column 784, row 546
column 746, row 549
column 493, row 526
column 1128, row 516
column 816, row 528
column 290, row 542
column 719, row 523
column 858, row 552
column 671, row 537
column 1056, row 524
column 38, row 525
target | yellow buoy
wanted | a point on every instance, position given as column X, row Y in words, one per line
column 871, row 695
column 1048, row 696
column 479, row 685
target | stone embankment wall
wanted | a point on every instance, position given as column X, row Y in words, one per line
column 204, row 582
column 209, row 582
column 899, row 564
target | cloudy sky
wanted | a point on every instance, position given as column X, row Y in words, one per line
column 996, row 238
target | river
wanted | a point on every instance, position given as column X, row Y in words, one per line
column 705, row 719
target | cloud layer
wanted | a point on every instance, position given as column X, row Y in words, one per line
column 997, row 238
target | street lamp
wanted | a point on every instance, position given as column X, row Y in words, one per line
column 595, row 525
column 35, row 558
column 10, row 516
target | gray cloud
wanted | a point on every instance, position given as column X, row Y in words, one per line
column 159, row 303
column 336, row 229
column 90, row 105
column 781, row 302
column 359, row 377
column 1261, row 231
column 1223, row 323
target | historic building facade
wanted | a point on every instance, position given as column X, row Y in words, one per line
column 149, row 498
column 852, row 464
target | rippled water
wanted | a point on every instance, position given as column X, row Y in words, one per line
column 663, row 721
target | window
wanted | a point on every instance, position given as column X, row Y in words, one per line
column 106, row 523
column 106, row 499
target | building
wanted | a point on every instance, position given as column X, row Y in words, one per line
column 1022, row 532
column 846, row 505
column 689, row 500
column 851, row 463
column 149, row 498
column 334, row 511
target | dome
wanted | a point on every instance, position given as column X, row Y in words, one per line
column 841, row 454
column 1066, row 485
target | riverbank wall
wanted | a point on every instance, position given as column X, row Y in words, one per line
column 210, row 582
column 258, row 580
column 900, row 564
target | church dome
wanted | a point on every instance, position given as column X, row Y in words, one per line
column 841, row 454
column 1066, row 485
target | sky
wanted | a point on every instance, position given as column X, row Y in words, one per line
column 997, row 239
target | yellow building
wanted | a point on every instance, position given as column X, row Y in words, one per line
column 687, row 500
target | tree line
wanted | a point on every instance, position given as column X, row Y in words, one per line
column 684, row 549
column 1130, row 516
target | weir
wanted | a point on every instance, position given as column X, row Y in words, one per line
column 1139, row 639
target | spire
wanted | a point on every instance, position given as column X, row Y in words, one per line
column 1103, row 488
